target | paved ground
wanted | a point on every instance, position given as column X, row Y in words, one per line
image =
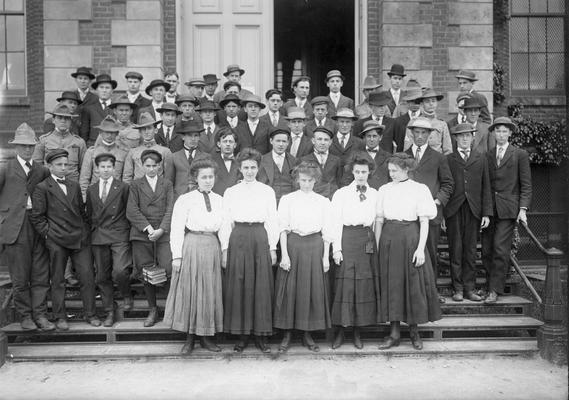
column 363, row 378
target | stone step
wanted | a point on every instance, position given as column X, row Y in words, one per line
column 150, row 350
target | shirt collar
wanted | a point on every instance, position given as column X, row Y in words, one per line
column 23, row 162
column 340, row 136
column 109, row 181
column 275, row 155
column 55, row 178
column 151, row 180
column 107, row 102
column 423, row 148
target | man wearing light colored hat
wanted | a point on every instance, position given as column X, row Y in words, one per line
column 166, row 135
column 196, row 87
column 320, row 107
column 301, row 88
column 133, row 93
column 255, row 132
column 466, row 80
column 412, row 92
column 345, row 142
column 72, row 101
column 26, row 255
column 300, row 143
column 379, row 103
column 335, row 81
column 233, row 74
column 363, row 110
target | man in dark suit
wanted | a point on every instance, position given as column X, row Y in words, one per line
column 482, row 139
column 189, row 133
column 301, row 88
column 255, row 132
column 106, row 210
column 510, row 179
column 92, row 114
column 320, row 106
column 410, row 95
column 379, row 107
column 396, row 75
column 467, row 211
column 300, row 143
column 173, row 79
column 24, row 249
column 187, row 105
column 207, row 111
column 227, row 173
column 276, row 167
column 466, row 80
column 460, row 118
column 345, row 142
column 335, row 81
column 58, row 215
column 133, row 82
column 157, row 91
column 275, row 114
column 166, row 135
column 83, row 77
column 330, row 164
column 432, row 170
column 211, row 83
column 229, row 115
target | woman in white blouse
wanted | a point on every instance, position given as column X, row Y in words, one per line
column 194, row 304
column 408, row 285
column 301, row 295
column 249, row 235
column 356, row 296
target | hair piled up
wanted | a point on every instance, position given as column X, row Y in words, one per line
column 202, row 162
column 360, row 158
column 248, row 154
column 403, row 161
column 307, row 168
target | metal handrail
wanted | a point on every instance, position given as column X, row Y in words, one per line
column 534, row 238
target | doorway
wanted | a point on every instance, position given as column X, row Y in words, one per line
column 313, row 37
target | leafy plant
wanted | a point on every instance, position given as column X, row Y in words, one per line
column 499, row 95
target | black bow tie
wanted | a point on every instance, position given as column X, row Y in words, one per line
column 60, row 181
column 361, row 188
column 228, row 158
column 372, row 150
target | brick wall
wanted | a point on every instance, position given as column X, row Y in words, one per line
column 373, row 37
column 169, row 46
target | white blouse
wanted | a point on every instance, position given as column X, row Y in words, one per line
column 190, row 212
column 250, row 202
column 305, row 214
column 405, row 201
column 348, row 209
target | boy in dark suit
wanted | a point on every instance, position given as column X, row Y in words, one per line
column 275, row 114
column 228, row 170
column 58, row 215
column 92, row 114
column 207, row 111
column 379, row 107
column 106, row 210
column 320, row 107
column 301, row 88
column 25, row 252
column 83, row 77
column 254, row 132
column 510, row 179
column 299, row 143
column 345, row 142
column 166, row 135
column 189, row 132
column 330, row 164
column 467, row 211
column 335, row 81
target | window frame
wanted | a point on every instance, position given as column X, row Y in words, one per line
column 6, row 93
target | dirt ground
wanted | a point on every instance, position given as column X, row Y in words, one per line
column 364, row 378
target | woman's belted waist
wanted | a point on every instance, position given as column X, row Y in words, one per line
column 399, row 222
column 248, row 223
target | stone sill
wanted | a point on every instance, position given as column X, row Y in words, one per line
column 14, row 101
column 539, row 100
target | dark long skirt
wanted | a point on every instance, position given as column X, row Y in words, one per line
column 408, row 294
column 248, row 292
column 301, row 300
column 356, row 297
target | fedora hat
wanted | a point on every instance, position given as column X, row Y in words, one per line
column 228, row 99
column 104, row 78
column 462, row 128
column 122, row 100
column 109, row 124
column 145, row 119
column 370, row 83
column 63, row 111
column 345, row 113
column 134, row 75
column 420, row 122
column 378, row 99
column 83, row 71
column 251, row 98
column 233, row 68
column 155, row 83
column 55, row 154
column 470, row 102
column 131, row 133
column 371, row 125
column 168, row 107
column 334, row 73
column 195, row 82
column 502, row 121
column 320, row 100
column 189, row 127
column 187, row 98
column 24, row 135
column 471, row 76
column 210, row 79
column 412, row 90
column 295, row 113
column 69, row 95
column 207, row 105
column 325, row 130
column 396, row 69
column 298, row 79
column 430, row 92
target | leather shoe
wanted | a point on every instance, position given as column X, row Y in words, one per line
column 442, row 300
column 416, row 340
column 28, row 324
column 128, row 303
column 472, row 296
column 241, row 344
column 308, row 342
column 152, row 317
column 389, row 342
column 492, row 298
column 283, row 347
column 72, row 281
column 457, row 296
column 61, row 325
column 261, row 344
column 339, row 339
column 93, row 321
column 109, row 319
column 44, row 324
column 357, row 339
column 208, row 344
column 189, row 345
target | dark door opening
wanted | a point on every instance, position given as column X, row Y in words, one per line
column 319, row 34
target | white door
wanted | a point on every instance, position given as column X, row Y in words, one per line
column 212, row 34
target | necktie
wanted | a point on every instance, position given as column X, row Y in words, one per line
column 207, row 201
column 321, row 157
column 319, row 122
column 295, row 144
column 209, row 132
column 464, row 154
column 168, row 133
column 29, row 167
column 362, row 189
column 372, row 150
column 275, row 120
column 190, row 158
column 343, row 141
column 499, row 155
column 104, row 192
column 104, row 105
column 418, row 155
column 228, row 158
column 396, row 97
column 279, row 163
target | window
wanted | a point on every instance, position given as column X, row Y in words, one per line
column 537, row 46
column 12, row 48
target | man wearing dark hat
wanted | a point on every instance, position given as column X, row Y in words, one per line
column 166, row 135
column 320, row 106
column 173, row 79
column 93, row 114
column 276, row 166
column 467, row 211
column 196, row 87
column 510, row 180
column 410, row 95
column 233, row 73
column 133, row 93
column 363, row 110
column 301, row 88
column 396, row 75
column 379, row 103
column 207, row 111
column 482, row 141
column 58, row 215
column 345, row 142
column 460, row 116
column 335, row 81
column 229, row 114
column 157, row 91
column 123, row 111
column 255, row 132
column 133, row 169
column 275, row 114
column 72, row 101
column 107, row 144
column 466, row 80
column 211, row 83
column 190, row 133
column 62, row 138
column 187, row 105
column 26, row 255
column 300, row 144
column 83, row 77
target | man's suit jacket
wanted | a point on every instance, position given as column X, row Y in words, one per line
column 223, row 178
column 434, row 172
column 484, row 111
column 259, row 141
column 146, row 207
column 307, row 107
column 400, row 130
column 183, row 180
column 176, row 141
column 392, row 105
column 15, row 190
column 207, row 144
column 141, row 102
column 343, row 102
column 380, row 175
column 267, row 168
column 331, row 174
column 482, row 139
column 386, row 142
column 90, row 98
column 91, row 116
column 281, row 123
column 329, row 124
column 221, row 116
column 471, row 184
column 305, row 147
column 511, row 182
column 59, row 217
column 108, row 220
column 354, row 144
